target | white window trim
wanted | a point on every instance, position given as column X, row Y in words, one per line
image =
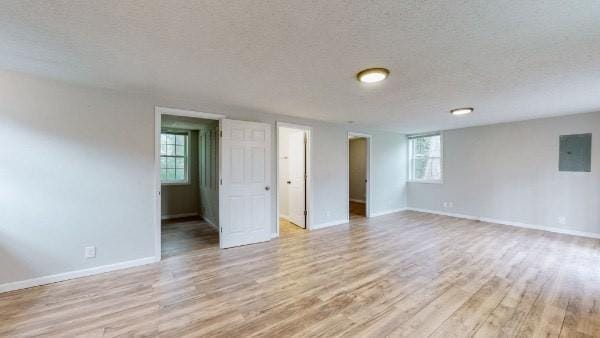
column 187, row 161
column 410, row 167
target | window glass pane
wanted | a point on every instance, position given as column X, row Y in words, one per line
column 432, row 170
column 434, row 146
column 171, row 174
column 170, row 139
column 419, row 168
column 170, row 150
column 171, row 162
column 173, row 159
column 427, row 169
column 180, row 175
column 427, row 146
column 426, row 158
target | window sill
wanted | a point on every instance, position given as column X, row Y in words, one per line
column 175, row 183
column 427, row 181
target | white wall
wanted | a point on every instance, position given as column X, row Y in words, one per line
column 82, row 173
column 78, row 172
column 389, row 172
column 509, row 172
column 358, row 169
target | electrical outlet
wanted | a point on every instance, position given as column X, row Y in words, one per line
column 90, row 252
column 448, row 204
column 562, row 220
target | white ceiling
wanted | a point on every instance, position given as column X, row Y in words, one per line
column 511, row 60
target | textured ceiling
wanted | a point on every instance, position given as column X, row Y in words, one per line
column 511, row 60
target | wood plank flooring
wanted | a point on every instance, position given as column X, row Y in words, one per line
column 287, row 228
column 357, row 210
column 405, row 274
column 182, row 235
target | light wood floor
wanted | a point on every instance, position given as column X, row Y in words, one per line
column 406, row 274
column 183, row 235
column 357, row 210
column 287, row 228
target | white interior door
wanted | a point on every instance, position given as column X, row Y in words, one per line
column 245, row 194
column 297, row 186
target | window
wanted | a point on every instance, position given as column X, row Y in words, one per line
column 425, row 158
column 173, row 158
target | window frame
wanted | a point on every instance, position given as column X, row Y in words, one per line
column 186, row 157
column 410, row 161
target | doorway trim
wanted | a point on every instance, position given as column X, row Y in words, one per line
column 368, row 137
column 308, row 192
column 158, row 112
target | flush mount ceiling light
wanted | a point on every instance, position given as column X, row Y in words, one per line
column 461, row 111
column 372, row 75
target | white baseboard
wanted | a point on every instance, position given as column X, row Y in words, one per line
column 443, row 213
column 189, row 214
column 328, row 224
column 375, row 214
column 274, row 235
column 543, row 228
column 511, row 223
column 75, row 274
column 210, row 222
column 285, row 217
column 357, row 200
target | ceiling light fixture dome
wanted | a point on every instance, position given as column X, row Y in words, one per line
column 372, row 75
column 461, row 111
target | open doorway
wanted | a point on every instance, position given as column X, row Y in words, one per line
column 358, row 175
column 189, row 175
column 235, row 185
column 293, row 166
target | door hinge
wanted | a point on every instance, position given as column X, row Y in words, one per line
column 305, row 213
column 220, row 133
column 221, row 181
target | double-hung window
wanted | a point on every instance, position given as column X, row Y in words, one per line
column 425, row 158
column 174, row 157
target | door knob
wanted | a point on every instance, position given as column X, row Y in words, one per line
column 289, row 182
column 267, row 188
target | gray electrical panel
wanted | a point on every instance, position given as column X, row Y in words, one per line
column 575, row 153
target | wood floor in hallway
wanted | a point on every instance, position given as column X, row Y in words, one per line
column 287, row 228
column 406, row 274
column 182, row 235
column 357, row 210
